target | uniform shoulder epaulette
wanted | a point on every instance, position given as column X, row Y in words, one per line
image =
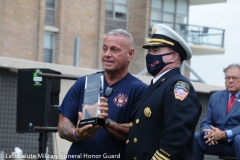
column 161, row 154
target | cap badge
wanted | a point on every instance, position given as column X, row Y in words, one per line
column 154, row 30
column 147, row 112
column 181, row 90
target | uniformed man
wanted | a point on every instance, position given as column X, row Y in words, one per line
column 164, row 123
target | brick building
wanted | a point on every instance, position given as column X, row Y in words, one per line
column 45, row 31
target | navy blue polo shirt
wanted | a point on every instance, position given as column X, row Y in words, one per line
column 121, row 102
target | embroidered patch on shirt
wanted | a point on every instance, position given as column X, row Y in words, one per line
column 120, row 100
column 181, row 90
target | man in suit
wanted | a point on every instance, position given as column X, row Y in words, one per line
column 220, row 130
column 163, row 125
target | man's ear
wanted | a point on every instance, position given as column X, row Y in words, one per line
column 176, row 56
column 130, row 54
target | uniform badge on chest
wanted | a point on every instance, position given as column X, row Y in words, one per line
column 120, row 100
column 147, row 112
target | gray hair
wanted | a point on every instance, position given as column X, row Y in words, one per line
column 234, row 65
column 121, row 32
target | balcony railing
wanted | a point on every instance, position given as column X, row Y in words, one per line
column 199, row 34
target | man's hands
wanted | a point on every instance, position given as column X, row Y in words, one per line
column 68, row 131
column 213, row 135
column 87, row 131
column 103, row 107
column 90, row 130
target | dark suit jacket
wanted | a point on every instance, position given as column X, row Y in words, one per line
column 163, row 125
column 217, row 116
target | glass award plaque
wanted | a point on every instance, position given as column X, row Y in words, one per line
column 92, row 93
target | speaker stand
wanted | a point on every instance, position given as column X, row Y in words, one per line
column 43, row 138
column 42, row 145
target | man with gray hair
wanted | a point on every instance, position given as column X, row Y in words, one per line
column 122, row 91
column 220, row 130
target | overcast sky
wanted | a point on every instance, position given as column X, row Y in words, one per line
column 220, row 15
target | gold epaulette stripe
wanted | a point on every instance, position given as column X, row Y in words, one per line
column 161, row 155
column 165, row 158
column 156, row 158
column 153, row 158
column 157, row 41
column 164, row 152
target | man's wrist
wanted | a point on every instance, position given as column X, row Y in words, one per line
column 229, row 135
column 75, row 136
column 106, row 123
column 225, row 135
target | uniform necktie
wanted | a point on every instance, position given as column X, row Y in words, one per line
column 230, row 103
column 151, row 82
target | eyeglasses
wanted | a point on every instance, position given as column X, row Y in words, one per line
column 227, row 78
column 108, row 91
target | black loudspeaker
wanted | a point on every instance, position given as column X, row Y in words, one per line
column 37, row 100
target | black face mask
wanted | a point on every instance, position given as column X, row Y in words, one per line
column 155, row 64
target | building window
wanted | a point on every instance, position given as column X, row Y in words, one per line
column 116, row 14
column 156, row 12
column 49, row 40
column 173, row 13
column 182, row 12
column 50, row 12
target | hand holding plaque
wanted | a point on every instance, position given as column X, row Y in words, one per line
column 93, row 92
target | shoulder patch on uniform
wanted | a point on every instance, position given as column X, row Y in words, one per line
column 181, row 90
